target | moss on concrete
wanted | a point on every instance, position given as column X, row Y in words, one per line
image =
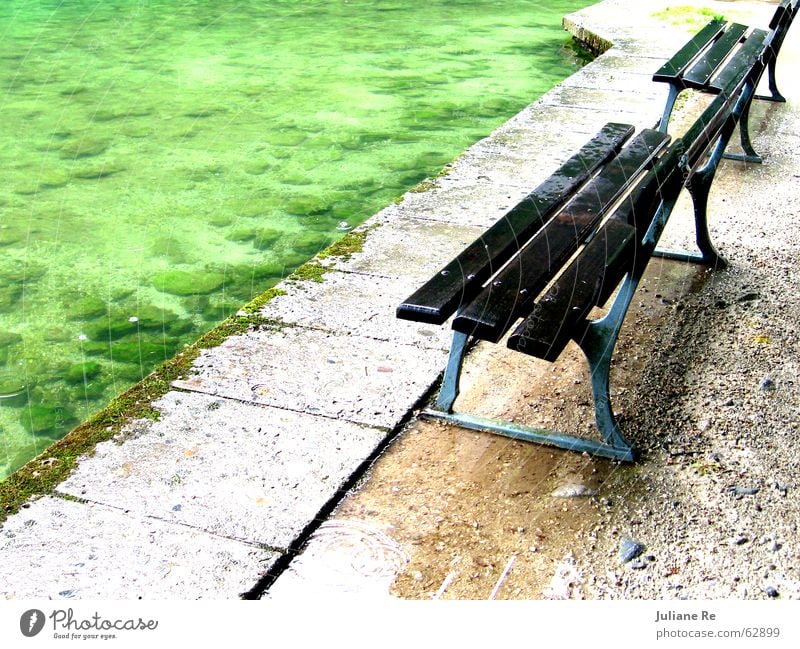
column 348, row 245
column 311, row 271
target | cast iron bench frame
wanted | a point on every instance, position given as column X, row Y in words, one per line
column 610, row 203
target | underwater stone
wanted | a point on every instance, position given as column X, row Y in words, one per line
column 220, row 220
column 181, row 282
column 297, row 179
column 241, row 234
column 146, row 352
column 310, row 243
column 53, row 180
column 13, row 391
column 8, row 338
column 266, row 238
column 96, row 172
column 300, row 206
column 249, row 207
column 173, row 249
column 42, row 419
column 10, row 236
column 9, row 295
column 129, row 319
column 12, row 272
column 84, row 147
column 87, row 308
column 285, row 138
column 27, row 189
column 257, row 167
column 130, row 372
column 82, row 372
column 126, row 112
column 133, row 350
column 90, row 390
column 136, row 131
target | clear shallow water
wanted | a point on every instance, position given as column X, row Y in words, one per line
column 165, row 161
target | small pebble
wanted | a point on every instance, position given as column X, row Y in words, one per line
column 767, row 384
column 738, row 492
column 574, row 491
column 629, row 549
column 771, row 591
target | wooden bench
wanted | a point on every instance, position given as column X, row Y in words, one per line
column 702, row 64
column 584, row 235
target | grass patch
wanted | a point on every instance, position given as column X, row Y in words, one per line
column 691, row 18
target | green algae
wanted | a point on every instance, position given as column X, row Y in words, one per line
column 184, row 282
column 82, row 372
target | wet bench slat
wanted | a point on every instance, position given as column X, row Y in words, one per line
column 701, row 73
column 591, row 278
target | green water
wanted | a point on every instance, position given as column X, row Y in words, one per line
column 165, row 161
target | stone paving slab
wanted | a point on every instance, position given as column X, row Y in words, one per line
column 350, row 378
column 251, row 473
column 356, row 304
column 63, row 549
column 477, row 203
column 490, row 162
column 410, row 249
column 635, row 108
column 540, row 117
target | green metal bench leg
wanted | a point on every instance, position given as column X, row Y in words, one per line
column 452, row 373
column 674, row 91
column 699, row 188
column 773, row 86
column 749, row 154
column 598, row 344
column 618, row 449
